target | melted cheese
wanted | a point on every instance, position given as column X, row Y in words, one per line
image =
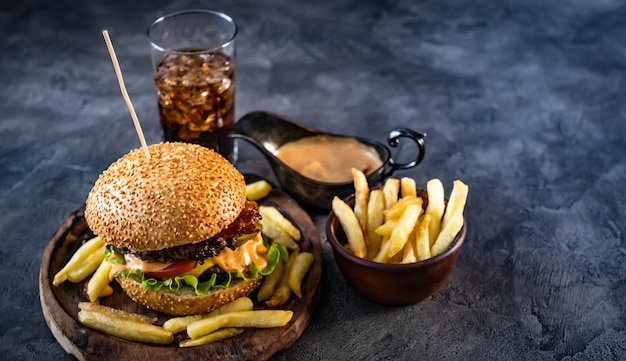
column 252, row 251
column 200, row 268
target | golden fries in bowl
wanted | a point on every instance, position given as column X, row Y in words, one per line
column 405, row 247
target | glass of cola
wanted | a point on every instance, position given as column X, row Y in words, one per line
column 193, row 53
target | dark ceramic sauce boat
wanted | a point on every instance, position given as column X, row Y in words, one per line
column 268, row 132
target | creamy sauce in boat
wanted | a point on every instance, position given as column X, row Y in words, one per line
column 327, row 158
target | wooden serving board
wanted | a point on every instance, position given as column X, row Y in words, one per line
column 60, row 304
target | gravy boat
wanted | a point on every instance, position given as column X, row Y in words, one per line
column 267, row 132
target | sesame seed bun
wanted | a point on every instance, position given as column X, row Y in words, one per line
column 183, row 194
column 185, row 301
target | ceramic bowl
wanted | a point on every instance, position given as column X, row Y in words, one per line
column 392, row 284
column 268, row 132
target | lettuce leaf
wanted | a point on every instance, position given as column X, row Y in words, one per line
column 275, row 252
column 113, row 256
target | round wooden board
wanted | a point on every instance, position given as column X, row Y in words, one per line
column 60, row 304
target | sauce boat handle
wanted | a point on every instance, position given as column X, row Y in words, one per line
column 394, row 139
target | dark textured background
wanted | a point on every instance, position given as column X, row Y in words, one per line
column 523, row 100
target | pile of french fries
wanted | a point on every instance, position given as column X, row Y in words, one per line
column 287, row 277
column 390, row 224
column 225, row 322
column 89, row 258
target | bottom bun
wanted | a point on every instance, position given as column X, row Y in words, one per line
column 185, row 301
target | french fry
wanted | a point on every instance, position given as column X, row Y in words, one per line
column 456, row 204
column 273, row 214
column 386, row 228
column 286, row 241
column 397, row 209
column 350, row 226
column 239, row 304
column 422, row 240
column 282, row 292
column 408, row 187
column 375, row 207
column 361, row 196
column 258, row 190
column 408, row 252
column 383, row 254
column 435, row 208
column 179, row 324
column 278, row 235
column 116, row 313
column 400, row 234
column 270, row 282
column 87, row 267
column 82, row 253
column 390, row 190
column 211, row 337
column 99, row 281
column 298, row 269
column 257, row 318
column 447, row 235
column 280, row 296
column 124, row 328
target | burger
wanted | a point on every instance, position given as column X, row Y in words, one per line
column 181, row 236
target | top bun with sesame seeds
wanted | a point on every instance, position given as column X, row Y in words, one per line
column 183, row 194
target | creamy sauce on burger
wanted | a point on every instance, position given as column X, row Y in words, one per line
column 242, row 257
column 252, row 251
column 327, row 158
column 134, row 262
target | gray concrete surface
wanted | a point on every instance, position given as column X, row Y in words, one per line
column 522, row 100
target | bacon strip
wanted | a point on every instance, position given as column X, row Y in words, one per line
column 244, row 224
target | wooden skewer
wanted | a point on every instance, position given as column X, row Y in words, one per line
column 116, row 65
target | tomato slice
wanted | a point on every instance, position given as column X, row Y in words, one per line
column 174, row 269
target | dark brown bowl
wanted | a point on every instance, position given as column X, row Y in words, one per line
column 392, row 284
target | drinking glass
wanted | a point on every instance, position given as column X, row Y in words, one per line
column 193, row 53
